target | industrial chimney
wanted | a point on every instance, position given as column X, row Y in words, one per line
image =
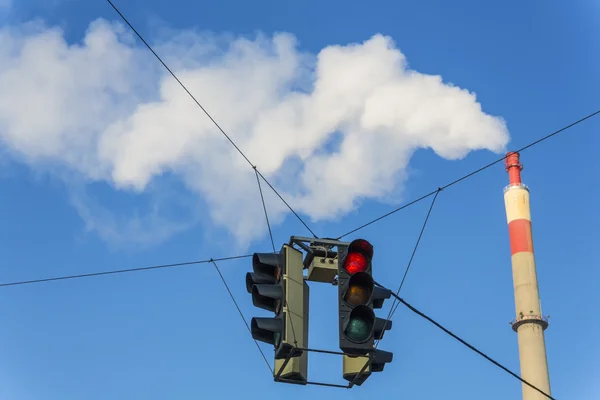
column 529, row 324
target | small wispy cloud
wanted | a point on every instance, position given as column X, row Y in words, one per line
column 123, row 228
column 344, row 121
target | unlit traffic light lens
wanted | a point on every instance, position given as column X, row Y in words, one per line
column 360, row 289
column 356, row 295
column 360, row 324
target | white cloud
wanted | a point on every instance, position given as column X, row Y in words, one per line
column 105, row 109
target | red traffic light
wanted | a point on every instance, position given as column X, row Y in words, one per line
column 360, row 253
column 355, row 262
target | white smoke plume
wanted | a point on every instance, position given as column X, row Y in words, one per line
column 345, row 120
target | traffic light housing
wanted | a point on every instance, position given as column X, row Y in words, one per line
column 357, row 298
column 277, row 285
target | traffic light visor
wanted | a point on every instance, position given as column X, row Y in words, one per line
column 361, row 246
column 253, row 279
column 267, row 264
column 360, row 324
column 360, row 289
column 267, row 297
column 266, row 330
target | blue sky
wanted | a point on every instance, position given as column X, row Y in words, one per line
column 81, row 192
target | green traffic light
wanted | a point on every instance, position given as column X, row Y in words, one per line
column 358, row 330
column 360, row 324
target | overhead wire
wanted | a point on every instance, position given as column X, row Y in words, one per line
column 122, row 271
column 241, row 314
column 273, row 244
column 412, row 256
column 470, row 346
column 208, row 115
column 462, row 178
column 262, row 198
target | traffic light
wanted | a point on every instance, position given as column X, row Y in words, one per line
column 358, row 325
column 277, row 285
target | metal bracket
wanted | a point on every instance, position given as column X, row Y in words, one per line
column 277, row 377
column 313, row 242
column 321, row 257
